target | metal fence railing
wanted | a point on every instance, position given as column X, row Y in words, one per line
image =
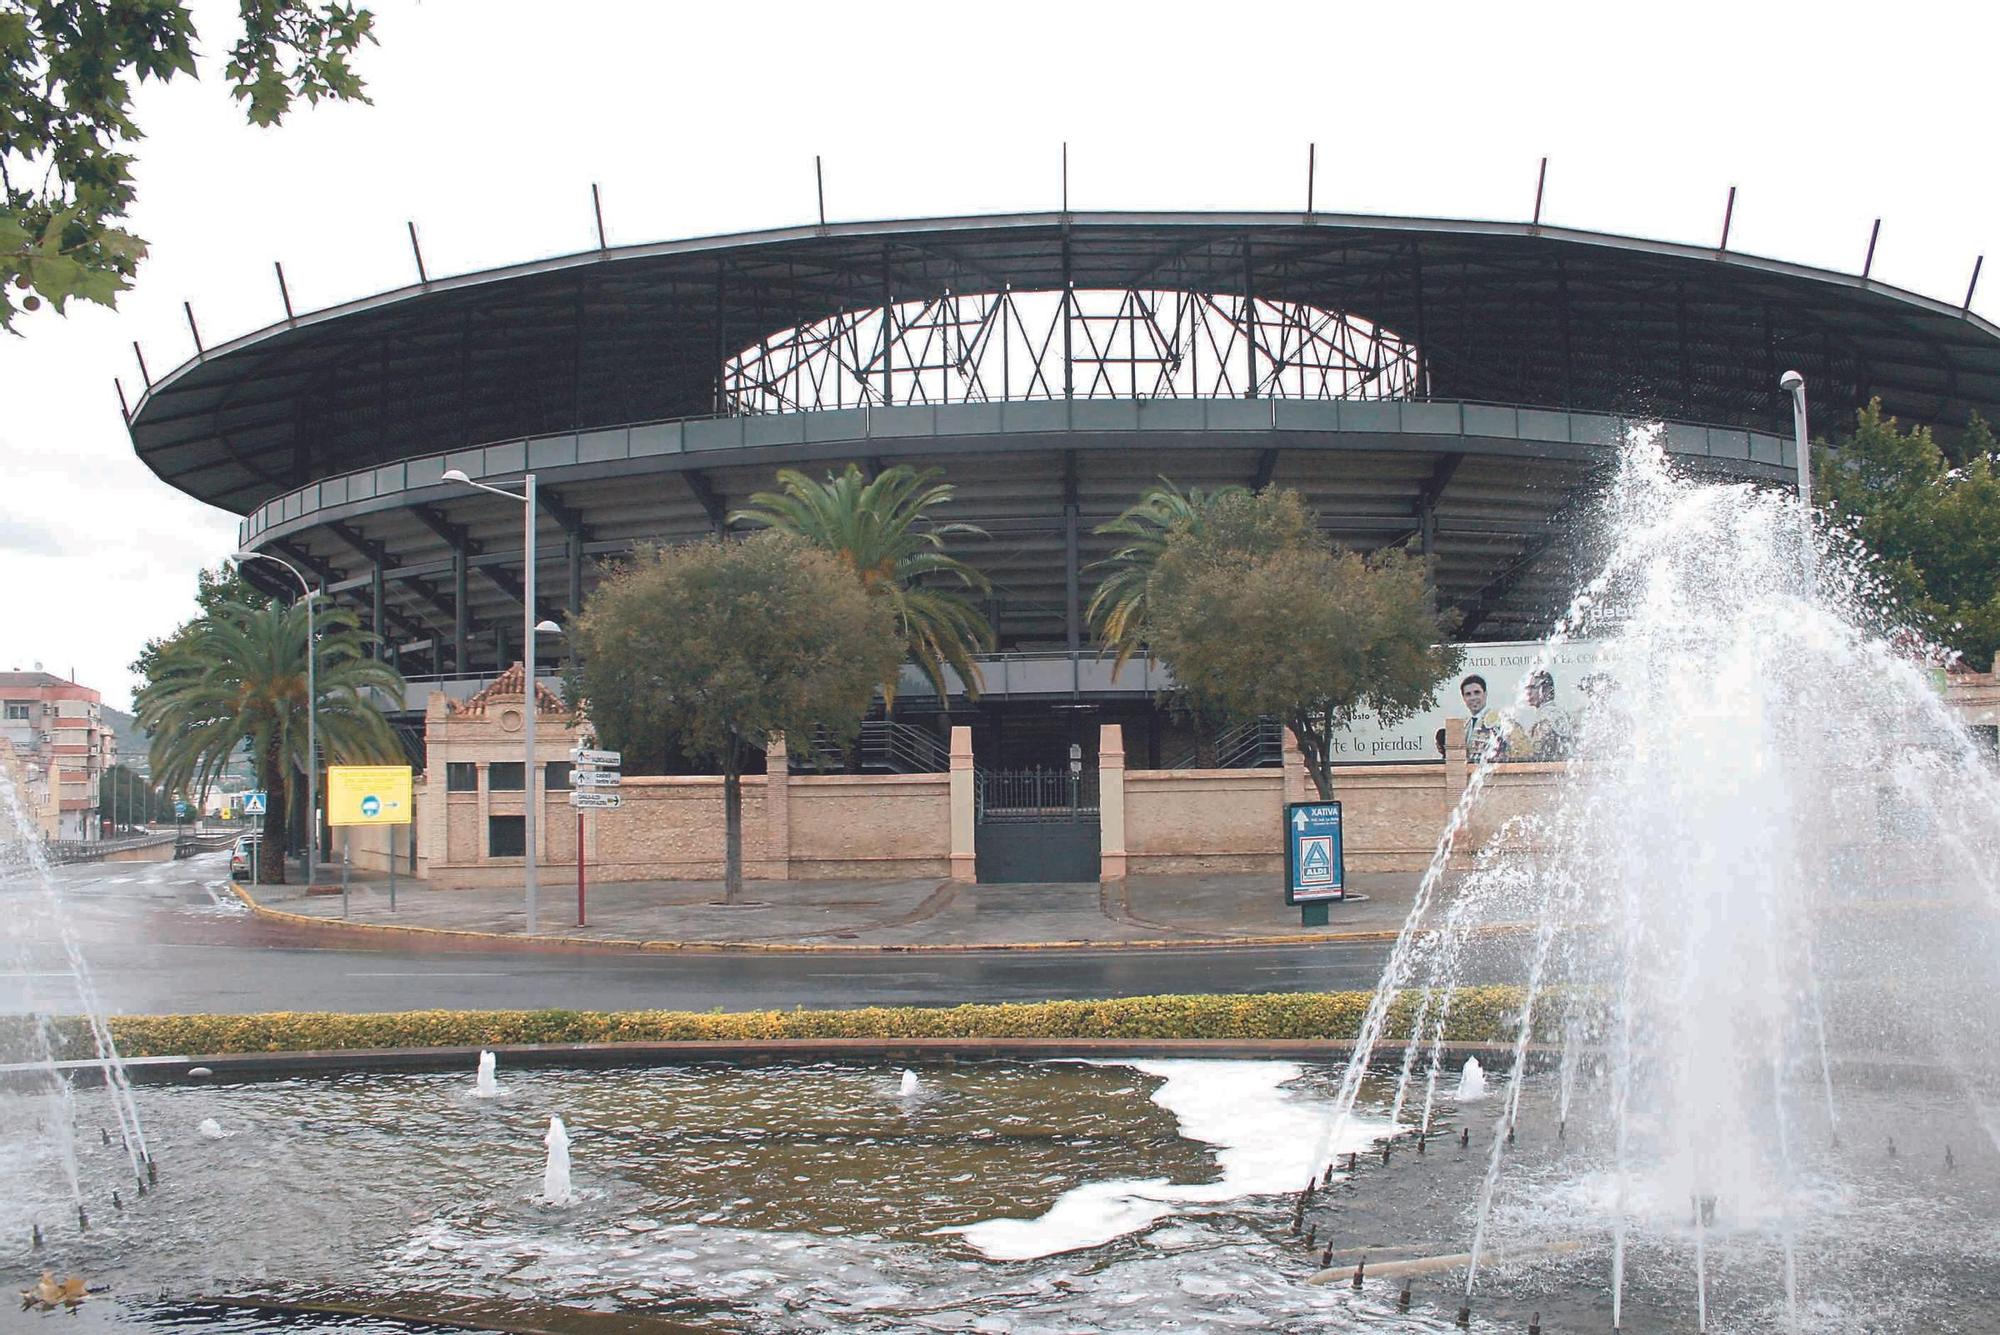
column 1045, row 795
column 883, row 745
column 1252, row 745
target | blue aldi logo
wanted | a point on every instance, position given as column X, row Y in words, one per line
column 1315, row 870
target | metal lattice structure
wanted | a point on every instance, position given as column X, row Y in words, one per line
column 1455, row 387
column 992, row 347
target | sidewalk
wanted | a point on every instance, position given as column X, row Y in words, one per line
column 910, row 914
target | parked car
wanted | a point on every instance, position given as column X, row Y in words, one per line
column 239, row 854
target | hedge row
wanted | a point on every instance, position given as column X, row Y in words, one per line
column 1477, row 1013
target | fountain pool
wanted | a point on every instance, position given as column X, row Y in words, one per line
column 1044, row 1197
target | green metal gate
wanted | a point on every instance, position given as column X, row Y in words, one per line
column 1036, row 825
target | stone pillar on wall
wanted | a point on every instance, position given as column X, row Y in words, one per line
column 1457, row 770
column 433, row 809
column 1298, row 784
column 777, row 809
column 964, row 852
column 1111, row 802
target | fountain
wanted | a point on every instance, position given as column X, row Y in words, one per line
column 555, row 1172
column 26, row 860
column 484, row 1085
column 1471, row 1082
column 910, row 1087
column 1768, row 862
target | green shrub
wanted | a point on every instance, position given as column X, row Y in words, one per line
column 1477, row 1014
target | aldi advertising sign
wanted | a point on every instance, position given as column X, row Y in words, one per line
column 1315, row 868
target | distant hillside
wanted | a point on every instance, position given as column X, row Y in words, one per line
column 132, row 746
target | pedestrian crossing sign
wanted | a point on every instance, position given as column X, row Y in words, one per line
column 253, row 804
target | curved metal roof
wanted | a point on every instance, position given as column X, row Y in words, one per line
column 1504, row 312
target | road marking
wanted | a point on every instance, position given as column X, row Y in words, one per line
column 426, row 973
column 876, row 974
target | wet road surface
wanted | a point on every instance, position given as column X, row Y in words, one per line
column 167, row 937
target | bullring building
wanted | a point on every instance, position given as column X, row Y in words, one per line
column 1459, row 387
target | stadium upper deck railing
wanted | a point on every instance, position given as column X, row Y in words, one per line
column 1380, row 424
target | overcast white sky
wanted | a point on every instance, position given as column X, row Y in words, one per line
column 492, row 118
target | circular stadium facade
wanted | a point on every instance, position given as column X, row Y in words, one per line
column 1457, row 387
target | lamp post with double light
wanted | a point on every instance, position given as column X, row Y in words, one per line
column 529, row 708
column 312, row 713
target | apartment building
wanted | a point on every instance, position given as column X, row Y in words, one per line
column 57, row 726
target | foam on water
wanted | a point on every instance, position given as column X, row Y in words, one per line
column 1264, row 1137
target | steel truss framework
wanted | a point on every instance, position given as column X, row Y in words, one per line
column 985, row 347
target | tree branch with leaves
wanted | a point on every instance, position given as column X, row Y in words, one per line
column 68, row 69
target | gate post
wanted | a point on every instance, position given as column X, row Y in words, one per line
column 1111, row 802
column 964, row 863
column 777, row 809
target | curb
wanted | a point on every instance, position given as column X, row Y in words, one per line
column 619, row 945
column 234, row 1067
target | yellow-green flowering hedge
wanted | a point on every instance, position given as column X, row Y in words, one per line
column 1477, row 1013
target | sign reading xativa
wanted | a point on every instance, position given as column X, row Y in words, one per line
column 368, row 795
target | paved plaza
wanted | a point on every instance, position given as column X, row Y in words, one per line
column 928, row 912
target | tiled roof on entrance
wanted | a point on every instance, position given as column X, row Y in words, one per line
column 509, row 686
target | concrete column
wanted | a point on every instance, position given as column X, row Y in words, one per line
column 1457, row 770
column 1111, row 802
column 433, row 812
column 479, row 853
column 777, row 808
column 1298, row 784
column 964, row 852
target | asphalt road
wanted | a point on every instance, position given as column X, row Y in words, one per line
column 167, row 938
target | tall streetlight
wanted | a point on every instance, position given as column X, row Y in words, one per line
column 530, row 629
column 312, row 714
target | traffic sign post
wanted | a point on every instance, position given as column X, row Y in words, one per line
column 1315, row 861
column 367, row 795
column 254, row 804
column 590, row 770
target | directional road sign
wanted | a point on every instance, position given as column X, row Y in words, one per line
column 595, row 778
column 595, row 801
column 254, row 804
column 583, row 757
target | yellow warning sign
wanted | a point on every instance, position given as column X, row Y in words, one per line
column 368, row 795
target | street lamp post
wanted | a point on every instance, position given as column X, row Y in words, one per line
column 530, row 628
column 1795, row 384
column 312, row 714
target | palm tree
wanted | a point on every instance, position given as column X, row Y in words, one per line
column 1118, row 607
column 879, row 529
column 236, row 676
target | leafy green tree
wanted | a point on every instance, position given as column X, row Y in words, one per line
column 1932, row 516
column 880, row 529
column 1119, row 607
column 67, row 72
column 721, row 644
column 237, row 674
column 125, row 797
column 1258, row 615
